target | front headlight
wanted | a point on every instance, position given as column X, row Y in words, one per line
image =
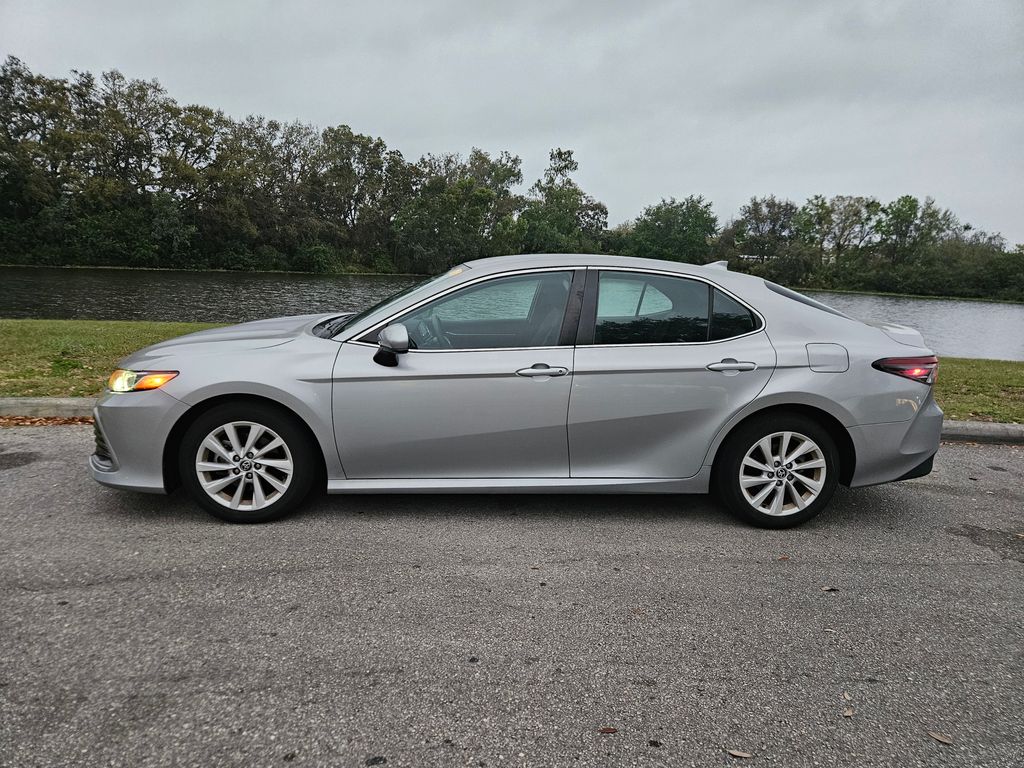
column 135, row 381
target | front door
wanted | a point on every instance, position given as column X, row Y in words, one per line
column 483, row 392
column 663, row 361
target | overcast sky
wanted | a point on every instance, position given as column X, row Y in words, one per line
column 657, row 98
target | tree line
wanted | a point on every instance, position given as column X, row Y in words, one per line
column 113, row 171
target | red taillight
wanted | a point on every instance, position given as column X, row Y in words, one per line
column 922, row 369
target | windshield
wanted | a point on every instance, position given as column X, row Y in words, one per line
column 351, row 320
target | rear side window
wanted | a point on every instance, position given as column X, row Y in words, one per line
column 642, row 308
column 636, row 308
column 729, row 318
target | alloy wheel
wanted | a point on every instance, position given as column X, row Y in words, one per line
column 244, row 466
column 782, row 473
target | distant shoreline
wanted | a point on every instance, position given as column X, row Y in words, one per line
column 216, row 271
column 910, row 296
column 413, row 274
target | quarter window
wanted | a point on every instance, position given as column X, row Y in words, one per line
column 729, row 318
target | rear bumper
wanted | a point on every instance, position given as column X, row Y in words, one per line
column 922, row 469
column 898, row 450
column 131, row 431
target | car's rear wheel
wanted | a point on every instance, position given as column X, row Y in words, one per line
column 778, row 470
column 247, row 462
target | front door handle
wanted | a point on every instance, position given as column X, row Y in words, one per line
column 731, row 364
column 542, row 369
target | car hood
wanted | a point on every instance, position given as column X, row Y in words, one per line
column 258, row 334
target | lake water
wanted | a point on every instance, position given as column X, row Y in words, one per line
column 954, row 328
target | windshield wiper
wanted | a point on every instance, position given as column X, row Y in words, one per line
column 328, row 328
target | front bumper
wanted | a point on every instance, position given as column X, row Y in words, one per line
column 131, row 431
column 898, row 450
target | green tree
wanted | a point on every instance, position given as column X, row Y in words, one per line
column 110, row 170
column 674, row 230
column 768, row 226
column 559, row 217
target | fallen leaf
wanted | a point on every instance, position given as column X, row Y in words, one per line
column 941, row 737
column 847, row 696
column 830, row 589
column 607, row 729
column 784, row 557
column 739, row 753
column 848, row 712
column 43, row 421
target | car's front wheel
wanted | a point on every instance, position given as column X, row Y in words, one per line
column 778, row 470
column 247, row 462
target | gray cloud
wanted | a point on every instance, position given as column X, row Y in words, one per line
column 726, row 99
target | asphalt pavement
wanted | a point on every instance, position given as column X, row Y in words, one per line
column 509, row 630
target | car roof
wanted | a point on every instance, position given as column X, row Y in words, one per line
column 525, row 261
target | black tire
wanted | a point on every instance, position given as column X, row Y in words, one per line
column 726, row 477
column 298, row 449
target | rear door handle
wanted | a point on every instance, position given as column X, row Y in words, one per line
column 542, row 369
column 730, row 364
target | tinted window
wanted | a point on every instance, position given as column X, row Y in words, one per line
column 518, row 311
column 729, row 317
column 636, row 308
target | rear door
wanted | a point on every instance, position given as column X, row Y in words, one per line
column 662, row 361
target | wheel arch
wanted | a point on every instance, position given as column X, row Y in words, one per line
column 835, row 428
column 172, row 445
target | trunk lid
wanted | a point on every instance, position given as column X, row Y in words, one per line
column 901, row 334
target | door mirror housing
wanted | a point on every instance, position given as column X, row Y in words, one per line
column 393, row 341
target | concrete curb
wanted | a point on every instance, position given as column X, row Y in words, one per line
column 65, row 407
column 43, row 407
column 982, row 432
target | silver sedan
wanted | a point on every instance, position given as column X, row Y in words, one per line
column 531, row 374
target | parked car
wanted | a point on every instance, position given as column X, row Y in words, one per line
column 531, row 374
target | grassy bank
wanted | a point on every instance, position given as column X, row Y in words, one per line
column 72, row 358
column 68, row 358
column 985, row 390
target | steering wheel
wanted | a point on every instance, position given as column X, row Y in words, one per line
column 437, row 331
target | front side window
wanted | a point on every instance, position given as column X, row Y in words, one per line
column 637, row 308
column 516, row 311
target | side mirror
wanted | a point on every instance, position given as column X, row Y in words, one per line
column 393, row 341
